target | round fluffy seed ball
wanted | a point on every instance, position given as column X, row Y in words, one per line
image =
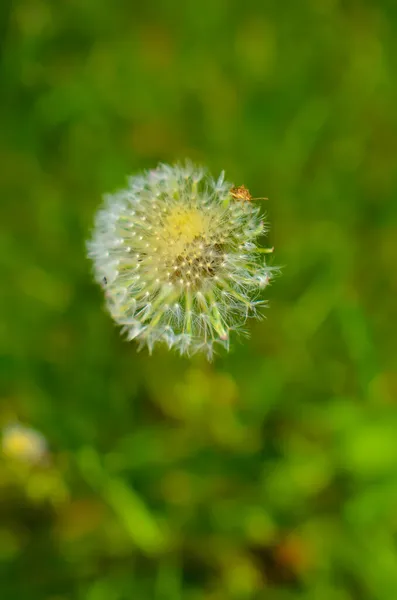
column 176, row 254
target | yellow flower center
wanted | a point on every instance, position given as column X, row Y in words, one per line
column 185, row 224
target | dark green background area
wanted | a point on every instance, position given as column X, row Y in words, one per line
column 271, row 472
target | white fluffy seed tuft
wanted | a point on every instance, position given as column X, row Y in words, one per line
column 178, row 258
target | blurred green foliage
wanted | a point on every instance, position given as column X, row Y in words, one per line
column 272, row 472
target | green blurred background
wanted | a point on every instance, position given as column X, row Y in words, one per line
column 272, row 472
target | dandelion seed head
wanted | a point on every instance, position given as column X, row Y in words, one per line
column 177, row 256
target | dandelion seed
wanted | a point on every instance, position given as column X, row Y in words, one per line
column 196, row 286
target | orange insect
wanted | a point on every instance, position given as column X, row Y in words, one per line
column 242, row 193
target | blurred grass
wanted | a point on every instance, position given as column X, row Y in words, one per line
column 271, row 473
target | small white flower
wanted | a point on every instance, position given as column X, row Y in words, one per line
column 24, row 443
column 177, row 256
